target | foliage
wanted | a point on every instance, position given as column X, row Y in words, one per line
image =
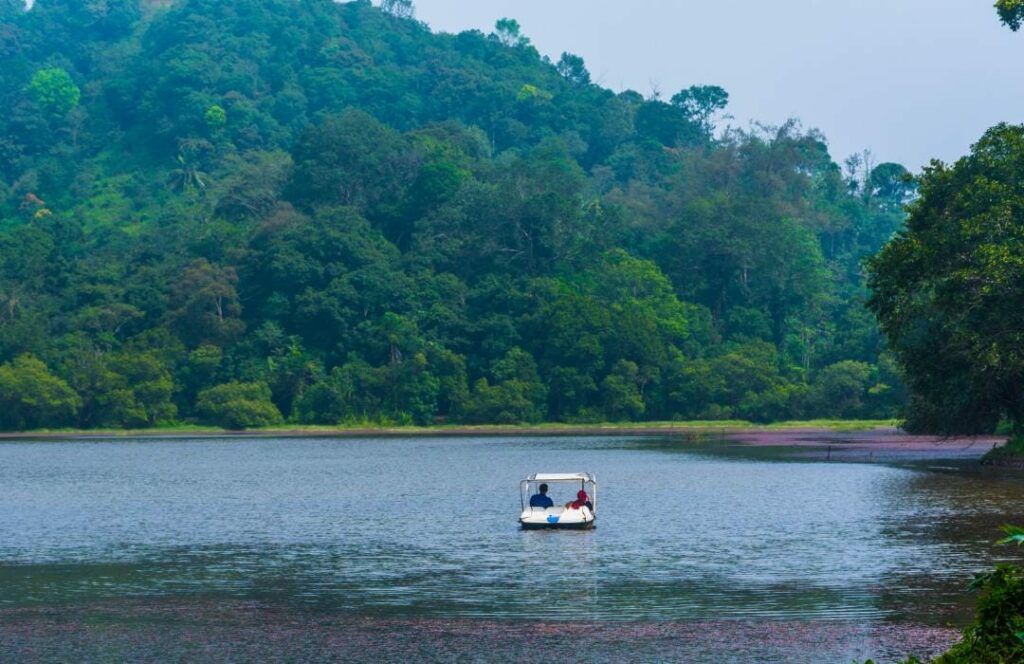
column 1014, row 535
column 324, row 212
column 128, row 389
column 32, row 397
column 238, row 406
column 573, row 69
column 997, row 632
column 216, row 117
column 516, row 396
column 839, row 389
column 621, row 392
column 1011, row 13
column 54, row 91
column 701, row 102
column 947, row 287
column 508, row 32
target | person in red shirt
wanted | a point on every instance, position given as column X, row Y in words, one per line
column 581, row 499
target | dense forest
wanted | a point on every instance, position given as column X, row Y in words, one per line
column 263, row 211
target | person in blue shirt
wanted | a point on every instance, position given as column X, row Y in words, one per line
column 541, row 499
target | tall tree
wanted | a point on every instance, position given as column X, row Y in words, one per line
column 702, row 102
column 509, row 33
column 573, row 69
column 948, row 289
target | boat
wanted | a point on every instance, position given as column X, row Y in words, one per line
column 559, row 516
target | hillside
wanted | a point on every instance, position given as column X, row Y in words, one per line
column 262, row 210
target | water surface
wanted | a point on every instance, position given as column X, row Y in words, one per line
column 425, row 529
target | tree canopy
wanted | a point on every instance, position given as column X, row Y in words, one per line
column 1011, row 13
column 949, row 287
column 260, row 211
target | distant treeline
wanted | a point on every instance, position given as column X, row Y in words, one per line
column 255, row 211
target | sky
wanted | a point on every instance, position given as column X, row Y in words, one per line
column 911, row 80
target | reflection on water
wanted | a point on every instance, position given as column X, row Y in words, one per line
column 427, row 528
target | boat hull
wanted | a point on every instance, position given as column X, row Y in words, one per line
column 557, row 518
column 583, row 525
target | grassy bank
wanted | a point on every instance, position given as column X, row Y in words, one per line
column 554, row 428
column 1010, row 455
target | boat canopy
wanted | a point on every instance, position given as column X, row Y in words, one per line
column 561, row 477
column 584, row 480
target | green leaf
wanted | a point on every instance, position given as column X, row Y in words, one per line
column 1013, row 534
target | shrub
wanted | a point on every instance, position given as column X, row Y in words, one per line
column 996, row 635
column 238, row 406
column 31, row 397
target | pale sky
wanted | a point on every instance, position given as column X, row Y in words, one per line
column 909, row 79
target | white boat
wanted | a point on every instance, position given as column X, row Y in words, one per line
column 575, row 516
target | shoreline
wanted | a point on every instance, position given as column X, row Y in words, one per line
column 730, row 427
column 855, row 440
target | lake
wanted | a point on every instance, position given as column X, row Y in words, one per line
column 386, row 548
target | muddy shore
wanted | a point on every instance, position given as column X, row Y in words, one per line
column 878, row 444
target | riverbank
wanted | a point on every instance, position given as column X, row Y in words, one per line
column 546, row 429
column 880, row 444
column 825, row 440
column 1010, row 455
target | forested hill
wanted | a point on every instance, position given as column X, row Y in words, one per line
column 248, row 211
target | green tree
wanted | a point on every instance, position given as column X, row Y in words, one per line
column 450, row 370
column 131, row 388
column 414, row 391
column 620, row 392
column 667, row 124
column 947, row 288
column 197, row 372
column 508, row 32
column 573, row 69
column 253, row 185
column 207, row 306
column 54, row 91
column 238, row 406
column 33, row 398
column 1011, row 13
column 702, row 103
column 839, row 389
column 504, row 403
column 351, row 159
column 148, row 389
column 517, row 394
column 892, row 184
column 216, row 118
